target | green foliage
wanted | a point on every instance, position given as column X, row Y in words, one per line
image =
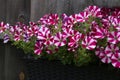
column 28, row 47
column 82, row 57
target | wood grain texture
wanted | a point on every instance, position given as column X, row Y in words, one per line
column 2, row 10
column 41, row 7
column 14, row 10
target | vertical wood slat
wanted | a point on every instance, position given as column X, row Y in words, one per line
column 17, row 9
column 41, row 7
column 14, row 8
column 2, row 51
column 3, row 10
column 2, row 61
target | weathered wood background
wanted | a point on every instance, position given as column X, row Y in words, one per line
column 41, row 7
column 13, row 10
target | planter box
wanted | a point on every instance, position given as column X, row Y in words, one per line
column 53, row 70
column 14, row 61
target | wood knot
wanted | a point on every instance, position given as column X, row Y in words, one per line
column 21, row 76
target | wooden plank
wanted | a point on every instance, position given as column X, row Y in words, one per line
column 38, row 9
column 42, row 7
column 2, row 10
column 15, row 8
column 27, row 6
column 2, row 50
column 2, row 60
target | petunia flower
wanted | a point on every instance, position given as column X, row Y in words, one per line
column 116, row 23
column 17, row 36
column 74, row 18
column 89, row 43
column 68, row 22
column 113, row 37
column 74, row 40
column 105, row 59
column 38, row 47
column 47, row 39
column 116, row 60
column 2, row 27
column 94, row 11
column 82, row 16
column 111, row 49
column 42, row 32
column 98, row 32
column 105, row 11
column 53, row 19
column 33, row 30
column 66, row 32
column 100, row 52
column 59, row 40
column 106, row 23
column 44, row 20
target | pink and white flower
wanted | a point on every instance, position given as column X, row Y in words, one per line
column 53, row 19
column 89, row 43
column 66, row 32
column 74, row 18
column 116, row 23
column 82, row 16
column 116, row 60
column 2, row 27
column 17, row 36
column 33, row 30
column 42, row 32
column 38, row 47
column 74, row 33
column 105, row 59
column 44, row 20
column 106, row 23
column 98, row 32
column 74, row 40
column 59, row 40
column 99, row 51
column 63, row 16
column 111, row 49
column 113, row 37
column 94, row 11
column 47, row 39
column 67, row 22
column 32, row 24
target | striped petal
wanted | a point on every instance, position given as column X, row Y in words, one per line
column 114, row 37
column 38, row 48
column 111, row 49
column 89, row 43
column 116, row 60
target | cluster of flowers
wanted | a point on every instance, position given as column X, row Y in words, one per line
column 96, row 29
